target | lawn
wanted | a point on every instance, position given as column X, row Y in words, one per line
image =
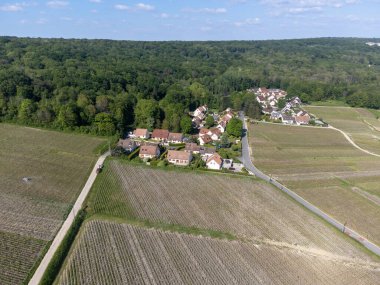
column 321, row 166
column 362, row 125
column 31, row 211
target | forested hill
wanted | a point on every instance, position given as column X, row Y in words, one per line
column 102, row 86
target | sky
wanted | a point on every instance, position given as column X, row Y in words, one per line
column 190, row 20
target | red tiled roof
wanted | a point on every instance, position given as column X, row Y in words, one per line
column 160, row 134
column 140, row 132
column 178, row 154
column 216, row 157
column 175, row 137
column 149, row 149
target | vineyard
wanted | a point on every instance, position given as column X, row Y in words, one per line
column 41, row 174
column 363, row 125
column 244, row 207
column 322, row 167
column 110, row 253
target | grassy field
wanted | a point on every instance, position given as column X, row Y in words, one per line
column 209, row 218
column 112, row 253
column 321, row 166
column 363, row 125
column 32, row 211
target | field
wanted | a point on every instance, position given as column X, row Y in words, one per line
column 362, row 125
column 321, row 166
column 137, row 255
column 31, row 212
column 224, row 228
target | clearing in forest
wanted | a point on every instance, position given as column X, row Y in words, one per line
column 217, row 223
column 362, row 125
column 324, row 168
column 42, row 172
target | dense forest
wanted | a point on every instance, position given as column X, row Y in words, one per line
column 104, row 87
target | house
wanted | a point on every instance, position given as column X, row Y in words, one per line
column 215, row 134
column 160, row 135
column 179, row 157
column 197, row 122
column 260, row 99
column 215, row 161
column 149, row 151
column 267, row 110
column 192, row 147
column 141, row 134
column 203, row 132
column 206, row 152
column 275, row 115
column 127, row 144
column 175, row 138
column 200, row 111
column 205, row 139
column 222, row 126
column 227, row 117
column 302, row 120
column 288, row 120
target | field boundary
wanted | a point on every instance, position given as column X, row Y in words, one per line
column 38, row 274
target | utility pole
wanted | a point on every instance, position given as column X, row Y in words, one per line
column 109, row 146
column 344, row 227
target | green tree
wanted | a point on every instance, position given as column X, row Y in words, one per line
column 209, row 122
column 281, row 103
column 235, row 127
column 104, row 124
column 146, row 113
column 186, row 125
column 67, row 117
column 26, row 110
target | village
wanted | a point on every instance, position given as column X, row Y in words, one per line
column 211, row 148
column 277, row 109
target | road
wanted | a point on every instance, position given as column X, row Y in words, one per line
column 246, row 160
column 67, row 224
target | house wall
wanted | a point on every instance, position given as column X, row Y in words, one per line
column 213, row 165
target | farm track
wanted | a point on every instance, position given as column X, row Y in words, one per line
column 128, row 257
column 38, row 274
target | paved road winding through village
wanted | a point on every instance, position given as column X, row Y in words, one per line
column 246, row 159
column 36, row 279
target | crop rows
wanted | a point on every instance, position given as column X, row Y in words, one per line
column 241, row 206
column 108, row 253
column 57, row 166
column 17, row 256
column 321, row 166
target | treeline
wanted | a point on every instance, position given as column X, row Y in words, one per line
column 103, row 87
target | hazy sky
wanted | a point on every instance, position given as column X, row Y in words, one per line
column 190, row 20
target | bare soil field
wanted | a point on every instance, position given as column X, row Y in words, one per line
column 41, row 174
column 245, row 207
column 321, row 166
column 111, row 253
column 362, row 125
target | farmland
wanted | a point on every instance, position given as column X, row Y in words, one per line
column 244, row 207
column 321, row 166
column 362, row 125
column 56, row 166
column 128, row 257
column 226, row 229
